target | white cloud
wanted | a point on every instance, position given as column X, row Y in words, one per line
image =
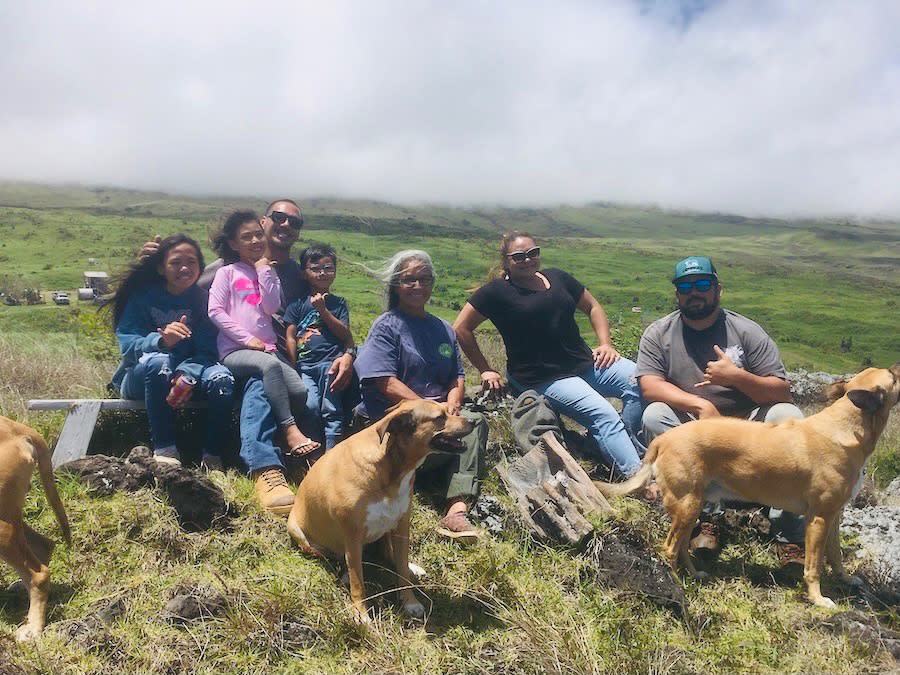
column 755, row 107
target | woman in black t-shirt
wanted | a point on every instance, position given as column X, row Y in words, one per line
column 534, row 311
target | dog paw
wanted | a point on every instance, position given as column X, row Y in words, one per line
column 827, row 603
column 361, row 616
column 27, row 633
column 416, row 571
column 414, row 609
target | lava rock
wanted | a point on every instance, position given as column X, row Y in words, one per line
column 198, row 502
column 864, row 629
column 489, row 511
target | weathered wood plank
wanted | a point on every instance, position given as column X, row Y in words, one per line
column 105, row 404
column 76, row 432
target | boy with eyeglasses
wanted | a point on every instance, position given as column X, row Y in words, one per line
column 318, row 332
column 704, row 361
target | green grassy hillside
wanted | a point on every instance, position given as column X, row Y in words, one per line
column 812, row 285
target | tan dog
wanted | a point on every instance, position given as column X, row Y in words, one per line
column 360, row 491
column 807, row 466
column 23, row 548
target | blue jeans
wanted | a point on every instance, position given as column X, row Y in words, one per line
column 329, row 404
column 150, row 380
column 582, row 399
column 258, row 428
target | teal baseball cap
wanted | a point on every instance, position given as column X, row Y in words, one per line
column 695, row 264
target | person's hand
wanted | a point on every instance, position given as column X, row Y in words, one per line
column 704, row 409
column 149, row 247
column 491, row 382
column 256, row 343
column 453, row 405
column 318, row 301
column 605, row 355
column 721, row 372
column 340, row 373
column 262, row 262
column 174, row 332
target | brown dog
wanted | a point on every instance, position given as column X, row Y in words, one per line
column 23, row 548
column 807, row 466
column 360, row 492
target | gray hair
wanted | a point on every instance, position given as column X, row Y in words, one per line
column 389, row 272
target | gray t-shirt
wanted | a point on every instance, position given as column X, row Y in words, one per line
column 678, row 353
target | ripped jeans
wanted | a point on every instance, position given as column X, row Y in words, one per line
column 150, row 380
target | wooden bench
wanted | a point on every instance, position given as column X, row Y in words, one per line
column 80, row 421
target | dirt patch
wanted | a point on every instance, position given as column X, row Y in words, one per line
column 622, row 558
column 193, row 602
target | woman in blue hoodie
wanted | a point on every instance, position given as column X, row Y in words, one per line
column 164, row 332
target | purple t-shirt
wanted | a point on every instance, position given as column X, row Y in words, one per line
column 421, row 352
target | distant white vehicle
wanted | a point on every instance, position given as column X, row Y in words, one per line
column 60, row 297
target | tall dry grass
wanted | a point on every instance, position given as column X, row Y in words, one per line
column 39, row 370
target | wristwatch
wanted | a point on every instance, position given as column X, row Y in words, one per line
column 352, row 351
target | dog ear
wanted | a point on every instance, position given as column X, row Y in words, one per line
column 868, row 401
column 834, row 391
column 402, row 423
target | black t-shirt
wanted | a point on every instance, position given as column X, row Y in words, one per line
column 538, row 328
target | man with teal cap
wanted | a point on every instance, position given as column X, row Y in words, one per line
column 703, row 361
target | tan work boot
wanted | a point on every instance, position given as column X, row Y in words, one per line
column 272, row 490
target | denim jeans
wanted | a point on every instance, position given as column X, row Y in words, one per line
column 786, row 526
column 329, row 404
column 150, row 380
column 258, row 428
column 582, row 399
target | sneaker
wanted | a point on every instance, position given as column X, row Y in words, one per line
column 272, row 490
column 211, row 463
column 705, row 541
column 791, row 554
column 457, row 526
column 167, row 456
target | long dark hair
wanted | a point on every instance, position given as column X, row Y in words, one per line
column 219, row 241
column 145, row 272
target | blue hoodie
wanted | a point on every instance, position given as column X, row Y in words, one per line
column 154, row 307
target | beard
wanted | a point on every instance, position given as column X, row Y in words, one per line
column 696, row 311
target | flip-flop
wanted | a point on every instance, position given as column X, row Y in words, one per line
column 308, row 447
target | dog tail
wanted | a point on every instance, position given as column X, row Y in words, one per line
column 45, row 469
column 640, row 479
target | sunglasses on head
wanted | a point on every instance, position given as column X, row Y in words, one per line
column 280, row 217
column 522, row 256
column 702, row 285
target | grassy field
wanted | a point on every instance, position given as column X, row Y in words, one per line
column 508, row 605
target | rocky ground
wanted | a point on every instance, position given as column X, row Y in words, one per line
column 877, row 527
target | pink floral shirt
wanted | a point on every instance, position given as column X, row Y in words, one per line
column 241, row 304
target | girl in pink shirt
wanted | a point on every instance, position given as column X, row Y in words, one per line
column 244, row 295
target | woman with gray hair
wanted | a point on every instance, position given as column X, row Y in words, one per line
column 412, row 354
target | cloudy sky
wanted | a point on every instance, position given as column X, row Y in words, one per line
column 781, row 107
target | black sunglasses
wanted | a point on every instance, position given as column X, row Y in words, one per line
column 522, row 256
column 280, row 217
column 685, row 287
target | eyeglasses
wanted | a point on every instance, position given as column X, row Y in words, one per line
column 522, row 256
column 324, row 269
column 252, row 236
column 280, row 217
column 685, row 287
column 409, row 282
